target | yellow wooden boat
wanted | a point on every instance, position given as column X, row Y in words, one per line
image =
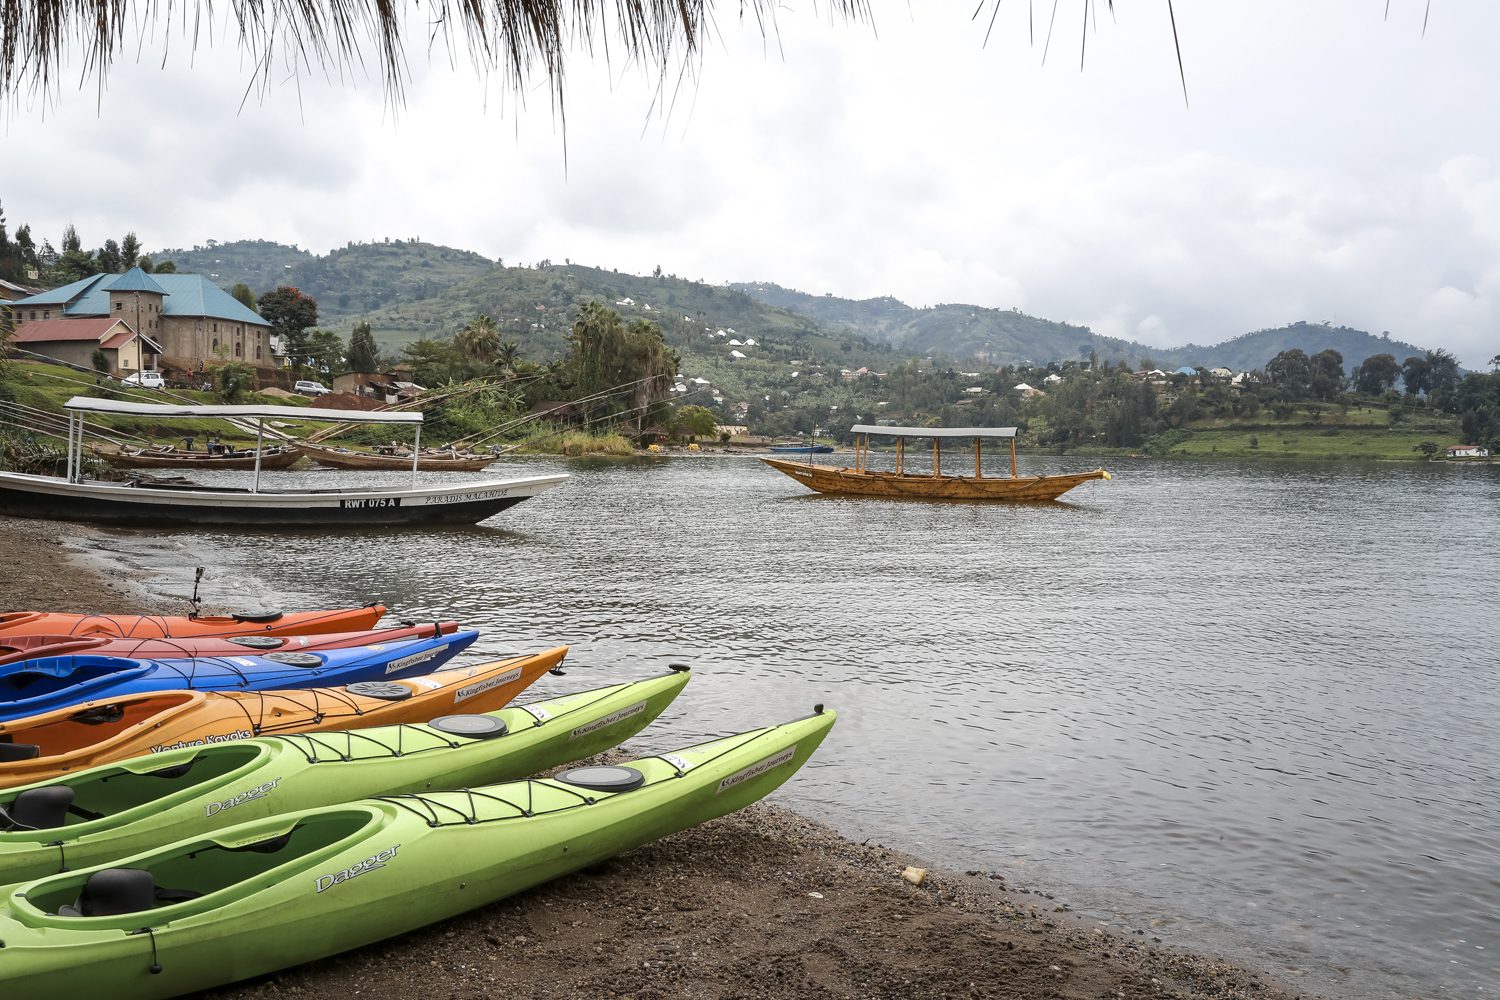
column 862, row 481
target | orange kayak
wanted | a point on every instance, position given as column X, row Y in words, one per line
column 100, row 732
column 192, row 626
column 26, row 647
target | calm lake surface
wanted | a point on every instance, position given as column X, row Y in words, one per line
column 1246, row 709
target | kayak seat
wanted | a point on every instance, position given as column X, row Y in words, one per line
column 43, row 808
column 19, row 751
column 103, row 715
column 114, row 891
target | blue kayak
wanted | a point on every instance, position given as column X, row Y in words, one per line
column 28, row 687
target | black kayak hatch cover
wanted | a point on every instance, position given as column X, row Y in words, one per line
column 603, row 778
column 388, row 690
column 292, row 659
column 257, row 641
column 254, row 615
column 475, row 727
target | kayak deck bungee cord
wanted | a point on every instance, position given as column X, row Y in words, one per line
column 97, row 732
column 119, row 809
column 266, row 895
column 34, row 686
column 189, row 626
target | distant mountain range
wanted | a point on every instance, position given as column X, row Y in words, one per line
column 407, row 289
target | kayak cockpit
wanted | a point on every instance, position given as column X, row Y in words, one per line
column 199, row 875
column 112, row 794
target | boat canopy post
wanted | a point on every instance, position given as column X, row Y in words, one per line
column 260, row 438
column 978, row 469
column 1012, row 458
column 937, row 457
column 901, row 456
column 416, row 456
column 72, row 454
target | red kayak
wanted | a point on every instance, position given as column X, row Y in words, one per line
column 26, row 647
column 191, row 627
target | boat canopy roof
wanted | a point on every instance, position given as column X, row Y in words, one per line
column 91, row 405
column 935, row 432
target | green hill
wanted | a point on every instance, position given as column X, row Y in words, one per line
column 407, row 289
column 1009, row 336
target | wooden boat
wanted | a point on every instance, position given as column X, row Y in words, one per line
column 801, row 449
column 934, row 485
column 167, row 457
column 145, row 502
column 97, row 732
column 429, row 460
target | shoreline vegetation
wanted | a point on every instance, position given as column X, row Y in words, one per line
column 762, row 904
column 1310, row 431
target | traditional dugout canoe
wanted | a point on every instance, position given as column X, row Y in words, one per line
column 120, row 457
column 427, row 461
column 932, row 485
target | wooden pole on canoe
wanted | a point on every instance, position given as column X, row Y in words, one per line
column 901, row 456
column 978, row 470
column 1012, row 458
column 416, row 456
column 937, row 457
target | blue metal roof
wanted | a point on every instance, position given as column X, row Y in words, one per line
column 135, row 280
column 186, row 295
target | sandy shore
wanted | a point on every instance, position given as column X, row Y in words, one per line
column 763, row 904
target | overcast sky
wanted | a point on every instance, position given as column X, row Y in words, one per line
column 1334, row 164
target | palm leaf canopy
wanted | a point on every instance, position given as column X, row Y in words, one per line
column 515, row 38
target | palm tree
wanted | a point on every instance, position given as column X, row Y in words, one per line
column 480, row 340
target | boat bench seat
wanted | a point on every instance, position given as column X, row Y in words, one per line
column 114, row 891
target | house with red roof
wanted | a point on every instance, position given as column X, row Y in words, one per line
column 74, row 340
column 194, row 320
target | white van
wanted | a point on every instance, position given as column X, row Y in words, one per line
column 311, row 389
column 145, row 380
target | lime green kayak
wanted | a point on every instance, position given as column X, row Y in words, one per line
column 109, row 811
column 284, row 890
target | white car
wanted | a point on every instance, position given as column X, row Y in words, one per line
column 145, row 380
column 311, row 389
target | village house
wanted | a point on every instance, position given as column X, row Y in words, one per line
column 1468, row 451
column 74, row 341
column 192, row 320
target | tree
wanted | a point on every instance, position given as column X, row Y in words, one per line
column 479, row 339
column 1376, row 374
column 234, row 378
column 1442, row 373
column 1291, row 371
column 325, row 352
column 130, row 251
column 242, row 294
column 100, row 361
column 1416, row 375
column 1326, row 374
column 693, row 421
column 75, row 262
column 364, row 356
column 622, row 364
column 290, row 313
column 108, row 257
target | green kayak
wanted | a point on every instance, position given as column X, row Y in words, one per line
column 117, row 809
column 284, row 890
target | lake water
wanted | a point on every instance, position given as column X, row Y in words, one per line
column 1246, row 709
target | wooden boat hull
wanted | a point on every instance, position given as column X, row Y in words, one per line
column 272, row 458
column 160, row 504
column 848, row 482
column 434, row 462
column 113, row 729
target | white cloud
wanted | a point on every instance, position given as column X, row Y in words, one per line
column 1334, row 165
